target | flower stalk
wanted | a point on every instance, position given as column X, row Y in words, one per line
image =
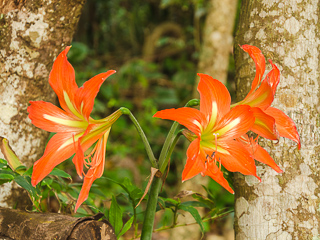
column 145, row 141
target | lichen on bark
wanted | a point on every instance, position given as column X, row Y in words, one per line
column 283, row 206
column 32, row 35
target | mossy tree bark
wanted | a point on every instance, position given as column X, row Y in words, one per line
column 283, row 206
column 32, row 34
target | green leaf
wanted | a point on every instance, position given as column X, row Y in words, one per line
column 210, row 204
column 60, row 173
column 5, row 176
column 194, row 214
column 133, row 192
column 21, row 169
column 175, row 202
column 48, row 182
column 28, row 172
column 115, row 216
column 161, row 204
column 63, row 198
column 3, row 163
column 194, row 204
column 208, row 192
column 25, row 182
column 126, row 227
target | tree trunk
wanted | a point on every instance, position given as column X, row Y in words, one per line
column 214, row 61
column 283, row 206
column 218, row 39
column 32, row 34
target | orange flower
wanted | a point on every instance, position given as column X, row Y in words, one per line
column 215, row 127
column 75, row 130
column 270, row 122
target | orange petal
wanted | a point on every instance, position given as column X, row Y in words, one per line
column 263, row 156
column 59, row 148
column 262, row 97
column 49, row 117
column 62, row 80
column 260, row 63
column 78, row 159
column 214, row 97
column 195, row 163
column 85, row 142
column 258, row 152
column 235, row 123
column 273, row 77
column 238, row 158
column 86, row 94
column 214, row 172
column 95, row 171
column 87, row 183
column 264, row 124
column 191, row 118
column 285, row 125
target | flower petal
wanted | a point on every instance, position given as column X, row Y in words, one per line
column 195, row 163
column 262, row 97
column 78, row 159
column 260, row 63
column 87, row 183
column 285, row 125
column 84, row 143
column 264, row 124
column 235, row 123
column 191, row 118
column 59, row 148
column 263, row 156
column 214, row 98
column 62, row 81
column 49, row 117
column 238, row 159
column 95, row 171
column 258, row 152
column 216, row 174
column 86, row 94
column 273, row 77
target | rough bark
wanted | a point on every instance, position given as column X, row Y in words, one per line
column 32, row 33
column 20, row 225
column 214, row 61
column 218, row 39
column 283, row 206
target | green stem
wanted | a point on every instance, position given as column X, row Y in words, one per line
column 172, row 146
column 148, row 221
column 170, row 141
column 145, row 141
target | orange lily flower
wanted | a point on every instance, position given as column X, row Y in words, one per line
column 75, row 130
column 215, row 127
column 270, row 122
column 258, row 152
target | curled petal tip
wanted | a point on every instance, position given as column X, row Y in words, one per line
column 33, row 182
